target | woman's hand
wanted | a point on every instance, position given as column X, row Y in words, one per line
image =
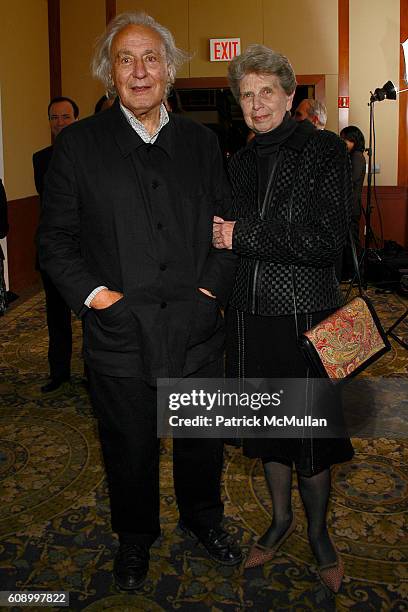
column 222, row 233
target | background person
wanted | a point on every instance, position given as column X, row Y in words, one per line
column 288, row 234
column 126, row 235
column 62, row 111
column 312, row 110
column 354, row 139
column 103, row 103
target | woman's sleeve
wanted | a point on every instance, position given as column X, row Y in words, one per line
column 358, row 169
column 320, row 240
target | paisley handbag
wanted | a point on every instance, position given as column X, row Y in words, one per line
column 347, row 341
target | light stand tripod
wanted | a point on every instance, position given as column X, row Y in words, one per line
column 387, row 91
column 368, row 208
column 377, row 96
column 390, row 330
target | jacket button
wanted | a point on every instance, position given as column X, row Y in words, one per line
column 163, row 267
column 163, row 305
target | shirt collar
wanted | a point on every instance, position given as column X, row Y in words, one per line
column 140, row 129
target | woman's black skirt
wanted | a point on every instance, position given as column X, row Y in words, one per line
column 267, row 347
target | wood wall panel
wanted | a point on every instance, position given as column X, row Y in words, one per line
column 393, row 203
column 110, row 6
column 23, row 221
column 344, row 53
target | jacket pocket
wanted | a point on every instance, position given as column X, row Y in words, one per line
column 207, row 320
column 113, row 329
column 113, row 313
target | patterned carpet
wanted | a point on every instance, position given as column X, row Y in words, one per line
column 54, row 512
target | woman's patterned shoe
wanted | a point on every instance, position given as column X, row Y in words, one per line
column 259, row 554
column 332, row 575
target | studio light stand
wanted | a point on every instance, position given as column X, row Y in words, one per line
column 387, row 91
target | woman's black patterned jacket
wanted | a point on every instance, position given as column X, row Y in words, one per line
column 295, row 241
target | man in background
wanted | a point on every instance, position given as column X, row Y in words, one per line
column 62, row 111
column 312, row 110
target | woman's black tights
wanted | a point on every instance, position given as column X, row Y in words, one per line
column 315, row 492
column 279, row 480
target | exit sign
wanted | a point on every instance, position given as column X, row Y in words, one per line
column 344, row 102
column 224, row 49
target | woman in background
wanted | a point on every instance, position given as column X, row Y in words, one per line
column 354, row 139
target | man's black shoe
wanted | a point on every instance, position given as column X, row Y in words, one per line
column 218, row 544
column 131, row 566
column 53, row 385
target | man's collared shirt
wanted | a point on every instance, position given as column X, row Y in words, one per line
column 140, row 128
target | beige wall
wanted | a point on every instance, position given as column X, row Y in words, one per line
column 174, row 15
column 305, row 30
column 308, row 35
column 82, row 21
column 226, row 19
column 374, row 59
column 25, row 90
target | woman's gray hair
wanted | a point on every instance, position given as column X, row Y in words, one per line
column 259, row 59
column 101, row 65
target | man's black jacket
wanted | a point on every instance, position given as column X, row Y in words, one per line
column 41, row 161
column 137, row 218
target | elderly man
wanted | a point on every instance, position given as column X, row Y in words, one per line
column 314, row 111
column 126, row 236
column 62, row 111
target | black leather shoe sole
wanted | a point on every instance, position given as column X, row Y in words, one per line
column 213, row 557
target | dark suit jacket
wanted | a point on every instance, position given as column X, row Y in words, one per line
column 3, row 216
column 41, row 161
column 96, row 229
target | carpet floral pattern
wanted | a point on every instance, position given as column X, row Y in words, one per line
column 54, row 510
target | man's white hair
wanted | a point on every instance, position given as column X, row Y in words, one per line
column 101, row 65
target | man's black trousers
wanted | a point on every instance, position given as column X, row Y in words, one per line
column 126, row 412
column 59, row 331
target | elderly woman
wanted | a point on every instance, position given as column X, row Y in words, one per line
column 292, row 198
